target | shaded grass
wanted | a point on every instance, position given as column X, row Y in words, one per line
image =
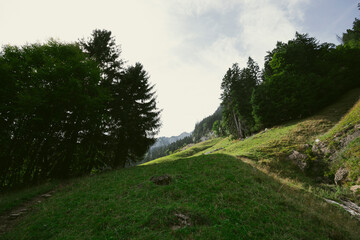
column 223, row 197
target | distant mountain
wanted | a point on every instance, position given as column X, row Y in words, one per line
column 164, row 141
column 204, row 129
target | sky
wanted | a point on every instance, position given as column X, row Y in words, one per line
column 186, row 46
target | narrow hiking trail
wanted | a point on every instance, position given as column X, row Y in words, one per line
column 11, row 218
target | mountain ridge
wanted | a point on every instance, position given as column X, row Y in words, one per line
column 164, row 141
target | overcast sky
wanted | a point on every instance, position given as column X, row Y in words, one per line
column 185, row 45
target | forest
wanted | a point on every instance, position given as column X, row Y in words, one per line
column 299, row 78
column 69, row 109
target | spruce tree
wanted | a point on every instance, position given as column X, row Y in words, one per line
column 130, row 119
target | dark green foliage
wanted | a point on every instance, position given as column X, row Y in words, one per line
column 64, row 112
column 50, row 95
column 238, row 85
column 219, row 128
column 301, row 77
column 130, row 117
column 138, row 116
column 103, row 49
column 204, row 127
column 352, row 36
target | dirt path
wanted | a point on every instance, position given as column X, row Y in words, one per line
column 11, row 218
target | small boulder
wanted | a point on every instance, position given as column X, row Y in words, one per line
column 15, row 215
column 306, row 146
column 346, row 140
column 355, row 188
column 320, row 148
column 182, row 221
column 299, row 159
column 341, row 175
column 46, row 195
column 161, row 180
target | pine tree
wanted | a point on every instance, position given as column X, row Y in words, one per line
column 139, row 116
column 130, row 119
column 238, row 85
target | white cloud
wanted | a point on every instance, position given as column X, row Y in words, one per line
column 199, row 7
column 262, row 26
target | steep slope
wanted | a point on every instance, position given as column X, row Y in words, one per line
column 340, row 148
column 218, row 189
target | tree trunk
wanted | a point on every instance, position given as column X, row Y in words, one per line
column 238, row 126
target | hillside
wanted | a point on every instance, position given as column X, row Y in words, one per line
column 164, row 141
column 217, row 189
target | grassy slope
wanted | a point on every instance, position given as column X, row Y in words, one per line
column 349, row 156
column 224, row 197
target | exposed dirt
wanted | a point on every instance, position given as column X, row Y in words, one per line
column 11, row 218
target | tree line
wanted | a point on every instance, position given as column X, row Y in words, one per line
column 299, row 78
column 67, row 109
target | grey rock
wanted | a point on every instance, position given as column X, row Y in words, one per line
column 15, row 215
column 46, row 195
column 299, row 159
column 183, row 220
column 306, row 146
column 320, row 148
column 341, row 175
column 161, row 180
column 350, row 207
column 346, row 140
column 218, row 149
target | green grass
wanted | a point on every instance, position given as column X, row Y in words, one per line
column 198, row 148
column 223, row 197
column 349, row 156
column 13, row 199
column 351, row 119
column 247, row 190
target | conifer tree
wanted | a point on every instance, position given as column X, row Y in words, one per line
column 238, row 85
column 130, row 119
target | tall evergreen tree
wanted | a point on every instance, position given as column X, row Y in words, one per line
column 228, row 101
column 130, row 119
column 101, row 46
column 238, row 85
column 135, row 106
